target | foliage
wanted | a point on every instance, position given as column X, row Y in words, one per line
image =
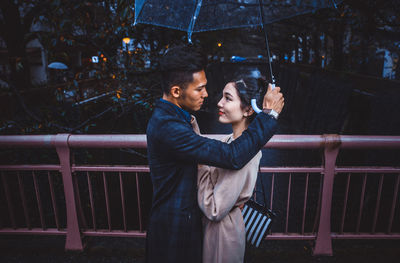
column 124, row 84
column 120, row 84
column 347, row 38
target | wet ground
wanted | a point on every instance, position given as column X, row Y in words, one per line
column 99, row 249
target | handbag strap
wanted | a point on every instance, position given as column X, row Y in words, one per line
column 263, row 190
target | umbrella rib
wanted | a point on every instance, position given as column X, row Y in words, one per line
column 138, row 14
column 230, row 3
column 193, row 20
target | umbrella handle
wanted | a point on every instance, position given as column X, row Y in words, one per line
column 254, row 102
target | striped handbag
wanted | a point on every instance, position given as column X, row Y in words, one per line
column 257, row 220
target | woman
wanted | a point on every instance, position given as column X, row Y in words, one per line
column 222, row 192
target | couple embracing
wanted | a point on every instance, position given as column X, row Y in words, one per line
column 199, row 184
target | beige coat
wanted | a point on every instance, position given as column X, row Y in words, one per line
column 220, row 192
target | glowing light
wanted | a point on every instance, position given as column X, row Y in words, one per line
column 126, row 40
column 219, row 44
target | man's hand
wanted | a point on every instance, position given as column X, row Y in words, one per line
column 273, row 99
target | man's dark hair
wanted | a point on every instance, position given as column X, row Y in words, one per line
column 178, row 65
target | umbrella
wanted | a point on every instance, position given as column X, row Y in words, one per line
column 207, row 15
column 57, row 65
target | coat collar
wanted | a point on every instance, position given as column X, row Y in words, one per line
column 181, row 112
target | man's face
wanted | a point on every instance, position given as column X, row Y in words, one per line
column 193, row 96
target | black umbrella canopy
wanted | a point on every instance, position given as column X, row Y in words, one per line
column 206, row 15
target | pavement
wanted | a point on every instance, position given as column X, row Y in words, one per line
column 111, row 249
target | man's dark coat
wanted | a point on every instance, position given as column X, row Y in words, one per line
column 174, row 232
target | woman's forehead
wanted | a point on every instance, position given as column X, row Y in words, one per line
column 230, row 89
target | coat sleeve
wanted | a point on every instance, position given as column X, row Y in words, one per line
column 186, row 145
column 219, row 189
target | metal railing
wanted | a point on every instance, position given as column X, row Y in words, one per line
column 31, row 198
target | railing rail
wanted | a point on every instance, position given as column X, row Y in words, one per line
column 139, row 141
column 77, row 225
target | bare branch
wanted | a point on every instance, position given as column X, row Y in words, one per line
column 128, row 150
column 2, row 28
column 92, row 118
column 22, row 103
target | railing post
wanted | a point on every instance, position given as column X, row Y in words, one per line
column 323, row 244
column 73, row 240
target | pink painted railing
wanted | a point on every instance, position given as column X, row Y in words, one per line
column 16, row 213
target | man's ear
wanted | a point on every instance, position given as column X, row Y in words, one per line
column 175, row 92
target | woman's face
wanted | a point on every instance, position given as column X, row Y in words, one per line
column 229, row 107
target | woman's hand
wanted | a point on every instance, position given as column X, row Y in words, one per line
column 273, row 99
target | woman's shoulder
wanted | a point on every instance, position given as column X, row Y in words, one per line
column 259, row 154
column 255, row 160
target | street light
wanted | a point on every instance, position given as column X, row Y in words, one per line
column 126, row 40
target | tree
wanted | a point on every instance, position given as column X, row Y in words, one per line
column 125, row 82
column 348, row 36
column 15, row 31
column 69, row 29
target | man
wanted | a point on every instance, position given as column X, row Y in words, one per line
column 174, row 150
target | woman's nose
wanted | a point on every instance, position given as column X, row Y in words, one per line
column 219, row 105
